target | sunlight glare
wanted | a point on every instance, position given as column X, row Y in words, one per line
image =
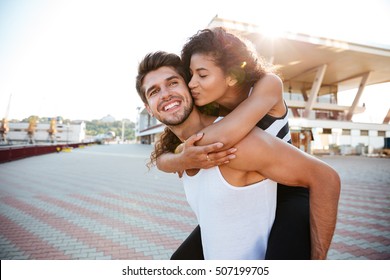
column 274, row 31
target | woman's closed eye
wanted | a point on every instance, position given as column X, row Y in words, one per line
column 200, row 75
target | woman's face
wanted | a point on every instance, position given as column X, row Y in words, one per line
column 208, row 82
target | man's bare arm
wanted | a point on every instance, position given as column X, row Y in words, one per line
column 283, row 163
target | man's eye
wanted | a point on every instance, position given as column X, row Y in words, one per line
column 153, row 92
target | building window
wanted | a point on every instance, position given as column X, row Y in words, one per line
column 346, row 132
column 326, row 131
column 363, row 132
column 382, row 133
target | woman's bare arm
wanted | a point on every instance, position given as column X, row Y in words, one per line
column 266, row 94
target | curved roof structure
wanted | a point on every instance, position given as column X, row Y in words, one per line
column 315, row 66
column 299, row 56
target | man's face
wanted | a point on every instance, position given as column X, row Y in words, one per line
column 168, row 96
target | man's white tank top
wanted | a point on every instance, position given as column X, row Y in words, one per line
column 235, row 222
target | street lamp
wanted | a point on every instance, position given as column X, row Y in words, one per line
column 67, row 133
column 123, row 131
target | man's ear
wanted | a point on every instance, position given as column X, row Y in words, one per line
column 148, row 109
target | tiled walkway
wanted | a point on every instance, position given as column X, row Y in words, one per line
column 101, row 202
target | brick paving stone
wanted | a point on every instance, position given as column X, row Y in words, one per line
column 102, row 203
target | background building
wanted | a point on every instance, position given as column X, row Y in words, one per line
column 40, row 133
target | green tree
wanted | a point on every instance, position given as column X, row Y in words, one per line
column 96, row 127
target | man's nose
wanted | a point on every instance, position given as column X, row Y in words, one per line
column 165, row 92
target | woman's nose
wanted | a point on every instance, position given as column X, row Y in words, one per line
column 192, row 84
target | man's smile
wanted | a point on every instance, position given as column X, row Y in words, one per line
column 170, row 105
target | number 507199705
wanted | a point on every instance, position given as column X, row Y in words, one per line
column 241, row 270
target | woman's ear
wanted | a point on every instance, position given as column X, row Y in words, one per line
column 231, row 81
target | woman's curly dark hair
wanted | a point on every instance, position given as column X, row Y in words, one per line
column 234, row 55
column 167, row 143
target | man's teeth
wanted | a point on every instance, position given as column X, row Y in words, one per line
column 171, row 105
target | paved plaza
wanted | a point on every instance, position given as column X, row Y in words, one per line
column 101, row 202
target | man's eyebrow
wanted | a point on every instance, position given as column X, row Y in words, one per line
column 172, row 77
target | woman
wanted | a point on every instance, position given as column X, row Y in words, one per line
column 253, row 97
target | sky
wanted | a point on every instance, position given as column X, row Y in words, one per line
column 78, row 58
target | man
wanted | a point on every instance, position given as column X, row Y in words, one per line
column 235, row 202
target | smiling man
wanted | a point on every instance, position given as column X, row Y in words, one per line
column 234, row 203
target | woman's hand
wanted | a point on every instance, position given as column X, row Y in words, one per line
column 203, row 157
column 189, row 156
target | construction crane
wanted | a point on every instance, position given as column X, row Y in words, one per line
column 52, row 130
column 4, row 128
column 32, row 126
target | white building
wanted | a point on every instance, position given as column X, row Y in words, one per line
column 327, row 136
column 66, row 133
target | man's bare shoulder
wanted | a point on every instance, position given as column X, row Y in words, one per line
column 249, row 149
